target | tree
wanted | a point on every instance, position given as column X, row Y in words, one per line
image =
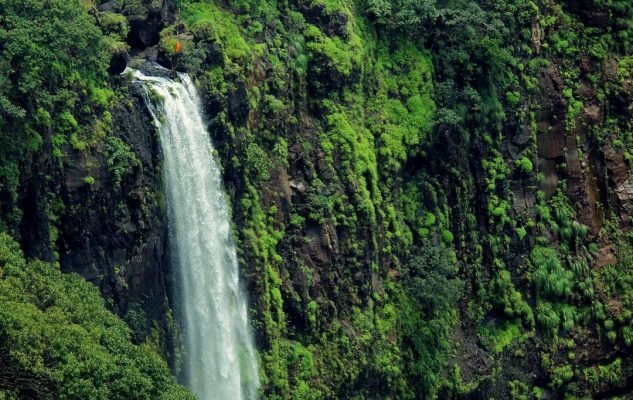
column 58, row 341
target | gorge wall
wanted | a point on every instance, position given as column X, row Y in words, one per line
column 429, row 198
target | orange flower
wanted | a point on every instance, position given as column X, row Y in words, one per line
column 178, row 47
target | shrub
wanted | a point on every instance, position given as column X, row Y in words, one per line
column 120, row 158
column 55, row 329
column 524, row 165
column 513, row 98
column 257, row 163
column 207, row 20
column 551, row 279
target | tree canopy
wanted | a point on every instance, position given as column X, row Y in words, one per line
column 58, row 341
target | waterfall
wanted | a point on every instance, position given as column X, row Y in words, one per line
column 220, row 361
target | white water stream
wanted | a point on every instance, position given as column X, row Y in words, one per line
column 220, row 361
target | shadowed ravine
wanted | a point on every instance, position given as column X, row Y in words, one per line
column 220, row 361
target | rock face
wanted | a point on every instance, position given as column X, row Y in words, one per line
column 118, row 63
column 550, row 122
column 320, row 240
column 110, row 6
column 147, row 18
column 590, row 12
column 118, row 238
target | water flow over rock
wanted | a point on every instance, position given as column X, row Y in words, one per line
column 220, row 358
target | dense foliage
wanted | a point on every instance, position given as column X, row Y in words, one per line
column 53, row 66
column 431, row 197
column 58, row 341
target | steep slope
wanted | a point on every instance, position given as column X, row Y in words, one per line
column 431, row 198
column 356, row 154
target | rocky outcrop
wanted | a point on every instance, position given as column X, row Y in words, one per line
column 334, row 23
column 147, row 18
column 117, row 238
column 591, row 12
column 550, row 120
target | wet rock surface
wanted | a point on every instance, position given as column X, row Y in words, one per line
column 117, row 238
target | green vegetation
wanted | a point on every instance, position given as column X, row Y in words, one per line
column 524, row 165
column 429, row 196
column 53, row 86
column 57, row 339
column 120, row 159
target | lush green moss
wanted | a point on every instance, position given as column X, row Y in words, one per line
column 206, row 19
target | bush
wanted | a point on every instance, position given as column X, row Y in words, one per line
column 427, row 313
column 551, row 279
column 120, row 158
column 207, row 20
column 524, row 165
column 55, row 329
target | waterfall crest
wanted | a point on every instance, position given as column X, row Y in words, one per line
column 220, row 361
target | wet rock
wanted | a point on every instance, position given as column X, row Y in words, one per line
column 152, row 69
column 238, row 104
column 118, row 63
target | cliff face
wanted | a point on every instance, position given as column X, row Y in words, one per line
column 98, row 209
column 110, row 229
column 117, row 238
column 428, row 202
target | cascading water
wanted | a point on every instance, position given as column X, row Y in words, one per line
column 220, row 359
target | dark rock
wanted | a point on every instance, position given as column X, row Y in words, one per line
column 118, row 238
column 616, row 164
column 590, row 13
column 214, row 54
column 34, row 227
column 550, row 120
column 152, row 69
column 84, row 164
column 146, row 22
column 118, row 63
column 333, row 24
column 144, row 32
column 164, row 60
column 111, row 6
column 238, row 104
